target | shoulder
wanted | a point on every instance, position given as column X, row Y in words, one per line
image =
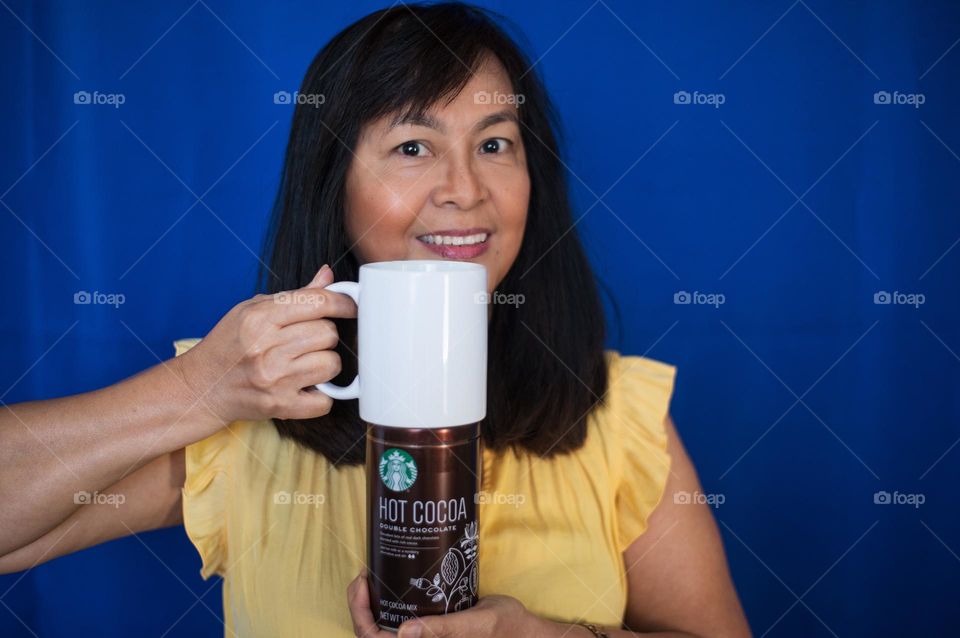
column 631, row 427
column 639, row 374
column 639, row 391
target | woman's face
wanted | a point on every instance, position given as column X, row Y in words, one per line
column 452, row 184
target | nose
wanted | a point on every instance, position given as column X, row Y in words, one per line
column 460, row 187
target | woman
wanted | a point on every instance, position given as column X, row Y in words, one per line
column 432, row 125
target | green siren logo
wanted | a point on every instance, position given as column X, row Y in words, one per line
column 397, row 469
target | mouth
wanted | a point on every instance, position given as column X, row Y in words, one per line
column 457, row 244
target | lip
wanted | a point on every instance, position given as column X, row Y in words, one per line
column 458, row 252
column 459, row 233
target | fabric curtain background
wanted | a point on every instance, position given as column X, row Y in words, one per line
column 779, row 165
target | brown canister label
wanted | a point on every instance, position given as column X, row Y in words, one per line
column 422, row 532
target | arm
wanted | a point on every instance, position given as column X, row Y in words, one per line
column 678, row 582
column 124, row 441
column 151, row 500
column 676, row 571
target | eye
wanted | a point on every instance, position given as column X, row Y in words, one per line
column 412, row 149
column 495, row 145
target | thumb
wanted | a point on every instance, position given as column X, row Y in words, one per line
column 415, row 629
column 438, row 626
column 323, row 278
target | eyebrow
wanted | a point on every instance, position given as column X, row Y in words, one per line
column 428, row 121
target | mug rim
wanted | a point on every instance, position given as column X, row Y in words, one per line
column 425, row 266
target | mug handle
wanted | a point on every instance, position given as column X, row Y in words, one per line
column 351, row 391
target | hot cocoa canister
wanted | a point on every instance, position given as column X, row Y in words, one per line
column 422, row 530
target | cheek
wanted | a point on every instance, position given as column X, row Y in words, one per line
column 514, row 204
column 379, row 218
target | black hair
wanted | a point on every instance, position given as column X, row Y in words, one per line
column 546, row 365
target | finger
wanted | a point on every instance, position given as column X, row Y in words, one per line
column 306, row 404
column 324, row 277
column 313, row 368
column 309, row 303
column 307, row 336
column 475, row 621
column 425, row 628
column 358, row 600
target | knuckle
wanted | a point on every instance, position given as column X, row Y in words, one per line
column 331, row 335
column 334, row 364
column 263, row 376
column 251, row 321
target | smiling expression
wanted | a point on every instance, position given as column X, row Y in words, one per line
column 451, row 183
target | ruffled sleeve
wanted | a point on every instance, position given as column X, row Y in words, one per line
column 205, row 492
column 640, row 392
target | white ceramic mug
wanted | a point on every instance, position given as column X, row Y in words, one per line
column 422, row 343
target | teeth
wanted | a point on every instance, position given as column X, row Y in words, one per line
column 448, row 240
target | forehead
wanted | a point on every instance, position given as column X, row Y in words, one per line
column 488, row 91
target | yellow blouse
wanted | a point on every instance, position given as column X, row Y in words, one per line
column 286, row 530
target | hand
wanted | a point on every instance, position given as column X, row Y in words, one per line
column 491, row 617
column 257, row 361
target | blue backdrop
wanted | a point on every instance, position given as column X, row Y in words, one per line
column 784, row 167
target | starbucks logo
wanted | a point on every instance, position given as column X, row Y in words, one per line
column 397, row 469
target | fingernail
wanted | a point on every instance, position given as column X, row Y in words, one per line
column 321, row 274
column 411, row 630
